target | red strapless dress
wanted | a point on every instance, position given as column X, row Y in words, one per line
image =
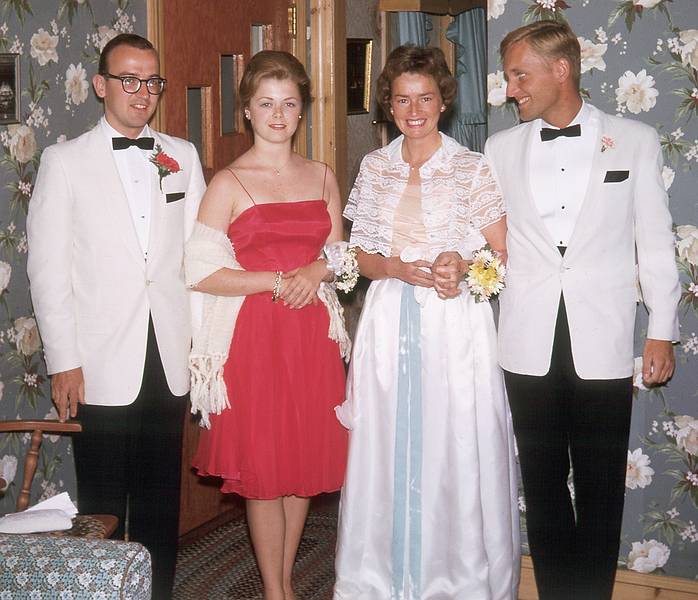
column 284, row 375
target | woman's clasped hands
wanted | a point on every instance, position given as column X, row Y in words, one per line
column 444, row 274
column 415, row 272
column 299, row 286
column 448, row 270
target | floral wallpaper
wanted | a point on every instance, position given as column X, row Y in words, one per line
column 640, row 61
column 58, row 44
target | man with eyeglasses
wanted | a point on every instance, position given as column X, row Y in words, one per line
column 107, row 223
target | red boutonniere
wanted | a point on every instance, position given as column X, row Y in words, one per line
column 165, row 164
column 607, row 143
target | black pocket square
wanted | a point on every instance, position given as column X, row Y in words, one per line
column 174, row 196
column 616, row 176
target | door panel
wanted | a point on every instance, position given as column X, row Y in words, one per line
column 192, row 36
column 195, row 34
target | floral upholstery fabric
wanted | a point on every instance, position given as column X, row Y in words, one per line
column 47, row 567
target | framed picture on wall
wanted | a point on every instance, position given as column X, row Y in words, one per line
column 9, row 89
column 359, row 52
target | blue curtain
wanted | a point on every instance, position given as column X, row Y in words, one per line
column 468, row 122
column 412, row 28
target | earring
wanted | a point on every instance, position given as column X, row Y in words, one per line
column 247, row 114
column 443, row 107
column 300, row 117
column 391, row 111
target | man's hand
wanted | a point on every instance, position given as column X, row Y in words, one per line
column 67, row 390
column 657, row 362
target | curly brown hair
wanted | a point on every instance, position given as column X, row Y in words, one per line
column 272, row 64
column 415, row 59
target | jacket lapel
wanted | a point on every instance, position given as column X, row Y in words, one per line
column 117, row 201
column 157, row 202
column 587, row 217
column 524, row 166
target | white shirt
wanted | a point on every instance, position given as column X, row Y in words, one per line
column 559, row 174
column 135, row 173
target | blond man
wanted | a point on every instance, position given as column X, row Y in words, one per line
column 585, row 200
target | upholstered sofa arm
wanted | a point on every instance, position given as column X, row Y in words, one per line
column 38, row 566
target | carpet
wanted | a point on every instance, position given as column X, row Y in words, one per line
column 221, row 564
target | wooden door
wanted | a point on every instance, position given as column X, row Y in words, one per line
column 204, row 45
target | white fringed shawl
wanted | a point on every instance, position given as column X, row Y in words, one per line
column 207, row 251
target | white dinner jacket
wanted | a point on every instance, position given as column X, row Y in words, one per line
column 91, row 287
column 623, row 232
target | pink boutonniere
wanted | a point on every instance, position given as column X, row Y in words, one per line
column 607, row 143
column 165, row 164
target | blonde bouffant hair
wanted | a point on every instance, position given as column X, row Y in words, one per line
column 550, row 39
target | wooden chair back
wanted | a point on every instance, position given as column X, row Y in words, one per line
column 37, row 429
column 84, row 525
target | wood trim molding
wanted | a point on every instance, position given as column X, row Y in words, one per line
column 629, row 585
column 328, row 57
column 437, row 7
column 155, row 35
column 340, row 97
column 299, row 48
column 321, row 109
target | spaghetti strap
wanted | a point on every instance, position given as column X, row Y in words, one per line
column 324, row 179
column 243, row 187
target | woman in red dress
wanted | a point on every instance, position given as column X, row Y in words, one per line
column 278, row 442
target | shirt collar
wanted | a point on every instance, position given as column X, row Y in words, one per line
column 581, row 118
column 110, row 132
column 448, row 147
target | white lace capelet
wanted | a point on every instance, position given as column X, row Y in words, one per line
column 207, row 251
column 460, row 197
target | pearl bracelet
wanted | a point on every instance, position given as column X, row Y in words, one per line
column 276, row 291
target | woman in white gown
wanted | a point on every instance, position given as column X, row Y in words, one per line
column 428, row 510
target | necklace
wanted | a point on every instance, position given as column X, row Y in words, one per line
column 275, row 170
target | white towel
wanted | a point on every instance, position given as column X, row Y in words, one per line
column 54, row 514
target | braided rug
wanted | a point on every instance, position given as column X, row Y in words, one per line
column 221, row 564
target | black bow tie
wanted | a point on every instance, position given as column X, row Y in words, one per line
column 547, row 134
column 121, row 143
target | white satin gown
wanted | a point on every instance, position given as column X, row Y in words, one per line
column 429, row 506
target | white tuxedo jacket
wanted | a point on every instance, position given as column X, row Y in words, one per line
column 91, row 287
column 623, row 232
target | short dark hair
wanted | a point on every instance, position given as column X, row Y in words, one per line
column 123, row 39
column 273, row 64
column 415, row 59
column 551, row 40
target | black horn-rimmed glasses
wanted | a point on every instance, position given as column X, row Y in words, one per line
column 131, row 84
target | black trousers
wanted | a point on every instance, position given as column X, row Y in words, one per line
column 128, row 464
column 558, row 417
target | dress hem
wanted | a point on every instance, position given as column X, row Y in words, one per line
column 229, row 485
